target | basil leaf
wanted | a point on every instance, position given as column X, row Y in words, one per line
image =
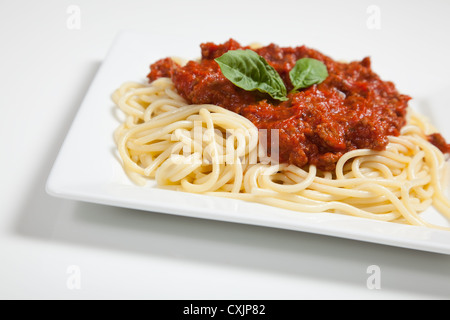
column 249, row 71
column 306, row 72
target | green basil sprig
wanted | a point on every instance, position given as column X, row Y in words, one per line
column 249, row 71
column 306, row 72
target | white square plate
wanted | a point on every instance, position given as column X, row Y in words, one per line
column 88, row 169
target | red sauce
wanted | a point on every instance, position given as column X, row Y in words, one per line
column 438, row 140
column 352, row 109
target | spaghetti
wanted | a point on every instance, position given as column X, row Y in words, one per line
column 210, row 150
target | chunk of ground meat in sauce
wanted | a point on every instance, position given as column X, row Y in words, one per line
column 351, row 109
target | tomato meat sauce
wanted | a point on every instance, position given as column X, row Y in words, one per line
column 351, row 109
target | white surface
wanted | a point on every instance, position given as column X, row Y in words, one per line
column 124, row 253
column 98, row 176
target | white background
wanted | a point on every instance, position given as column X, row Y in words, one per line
column 45, row 70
